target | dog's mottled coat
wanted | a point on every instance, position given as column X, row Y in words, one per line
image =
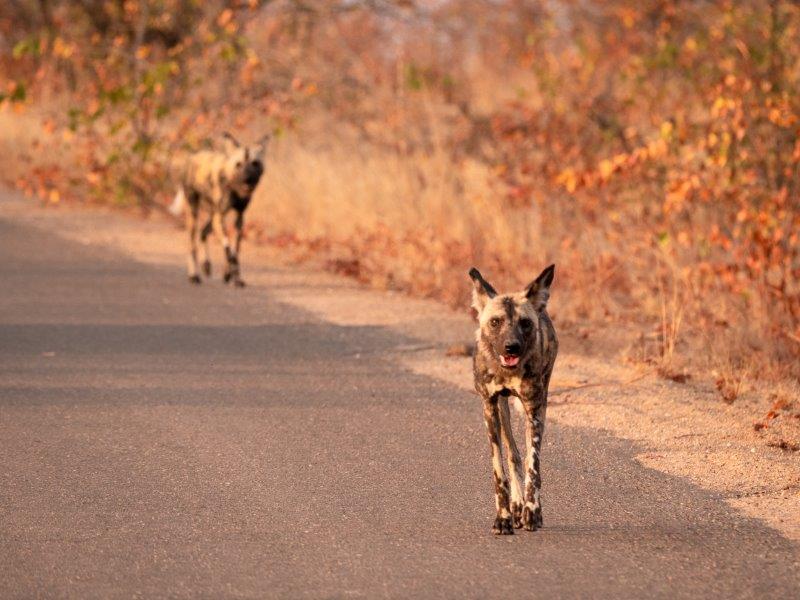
column 514, row 357
column 219, row 182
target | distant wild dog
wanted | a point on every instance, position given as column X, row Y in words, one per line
column 218, row 182
column 514, row 356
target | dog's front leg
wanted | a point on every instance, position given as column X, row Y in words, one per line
column 204, row 233
column 191, row 229
column 535, row 409
column 238, row 242
column 232, row 266
column 239, row 228
column 502, row 524
column 513, row 461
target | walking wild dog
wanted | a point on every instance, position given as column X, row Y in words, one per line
column 514, row 356
column 218, row 182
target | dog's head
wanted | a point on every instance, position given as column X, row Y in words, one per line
column 507, row 322
column 244, row 165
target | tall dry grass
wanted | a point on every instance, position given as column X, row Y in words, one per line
column 648, row 151
column 411, row 221
column 416, row 221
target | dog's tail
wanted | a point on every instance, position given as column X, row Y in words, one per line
column 178, row 204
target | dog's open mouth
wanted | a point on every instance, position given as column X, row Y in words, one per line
column 509, row 360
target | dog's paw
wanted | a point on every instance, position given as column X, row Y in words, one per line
column 207, row 268
column 516, row 514
column 503, row 526
column 531, row 517
column 194, row 279
column 239, row 283
column 227, row 277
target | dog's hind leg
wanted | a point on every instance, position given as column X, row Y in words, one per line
column 502, row 524
column 204, row 233
column 513, row 460
column 535, row 410
column 191, row 229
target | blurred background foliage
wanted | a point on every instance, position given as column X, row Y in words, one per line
column 650, row 147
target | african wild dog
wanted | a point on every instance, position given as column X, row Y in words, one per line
column 514, row 356
column 218, row 182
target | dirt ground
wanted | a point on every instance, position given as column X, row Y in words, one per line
column 685, row 429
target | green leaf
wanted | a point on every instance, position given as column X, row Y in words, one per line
column 91, row 118
column 413, row 77
column 27, row 46
column 117, row 126
column 116, row 95
column 228, row 52
column 19, row 94
column 142, row 147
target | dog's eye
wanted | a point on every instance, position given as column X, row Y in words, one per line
column 525, row 323
column 238, row 164
column 495, row 321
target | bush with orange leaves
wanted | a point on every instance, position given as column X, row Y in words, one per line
column 651, row 148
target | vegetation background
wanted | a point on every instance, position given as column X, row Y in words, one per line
column 651, row 148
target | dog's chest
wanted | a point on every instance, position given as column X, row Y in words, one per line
column 239, row 203
column 508, row 385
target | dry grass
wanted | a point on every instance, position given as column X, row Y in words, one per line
column 405, row 168
column 416, row 221
column 409, row 221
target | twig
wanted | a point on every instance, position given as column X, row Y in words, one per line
column 792, row 336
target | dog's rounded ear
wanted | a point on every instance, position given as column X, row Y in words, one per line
column 538, row 291
column 231, row 143
column 261, row 144
column 482, row 290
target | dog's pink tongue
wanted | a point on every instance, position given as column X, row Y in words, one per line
column 509, row 361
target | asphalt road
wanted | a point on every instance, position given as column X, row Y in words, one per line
column 162, row 440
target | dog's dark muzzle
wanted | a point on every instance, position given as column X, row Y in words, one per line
column 511, row 354
column 252, row 173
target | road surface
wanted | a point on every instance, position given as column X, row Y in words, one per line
column 164, row 440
